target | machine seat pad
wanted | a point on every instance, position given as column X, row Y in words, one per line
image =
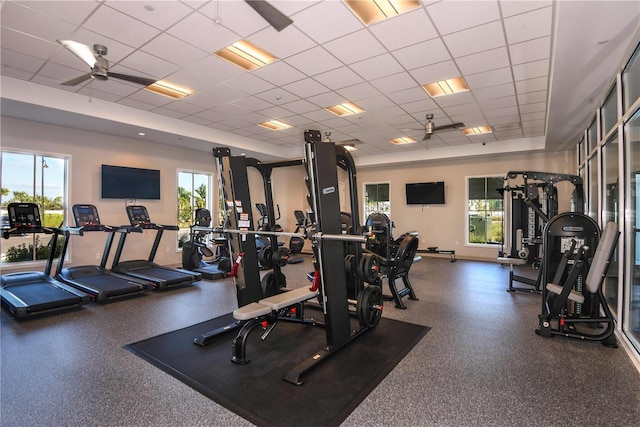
column 573, row 295
column 285, row 299
column 251, row 311
column 516, row 261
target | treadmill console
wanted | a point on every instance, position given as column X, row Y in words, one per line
column 24, row 215
column 138, row 216
column 86, row 216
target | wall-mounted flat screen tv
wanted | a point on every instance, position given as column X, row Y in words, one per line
column 119, row 182
column 425, row 193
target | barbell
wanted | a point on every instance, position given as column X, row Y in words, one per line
column 313, row 236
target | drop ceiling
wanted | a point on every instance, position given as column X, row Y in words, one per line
column 536, row 72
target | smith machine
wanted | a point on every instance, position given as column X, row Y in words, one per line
column 531, row 205
column 330, row 247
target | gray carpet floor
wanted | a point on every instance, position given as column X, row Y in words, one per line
column 481, row 364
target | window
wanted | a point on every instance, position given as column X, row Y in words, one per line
column 376, row 199
column 34, row 178
column 593, row 203
column 609, row 112
column 194, row 192
column 592, row 137
column 485, row 210
column 631, row 80
column 610, row 205
column 632, row 277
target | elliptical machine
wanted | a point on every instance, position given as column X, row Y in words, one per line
column 195, row 249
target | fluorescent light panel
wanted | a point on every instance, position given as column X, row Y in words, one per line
column 274, row 125
column 372, row 11
column 402, row 140
column 346, row 109
column 246, row 55
column 446, row 87
column 477, row 130
column 169, row 89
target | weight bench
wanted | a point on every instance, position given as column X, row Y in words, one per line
column 515, row 278
column 287, row 306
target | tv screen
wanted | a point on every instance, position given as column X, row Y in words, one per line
column 120, row 182
column 425, row 193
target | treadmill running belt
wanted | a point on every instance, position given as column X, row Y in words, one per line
column 42, row 295
column 166, row 274
column 113, row 285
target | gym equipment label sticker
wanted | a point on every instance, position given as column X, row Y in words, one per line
column 328, row 190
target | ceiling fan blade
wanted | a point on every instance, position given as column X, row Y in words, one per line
column 273, row 16
column 451, row 126
column 80, row 50
column 426, row 136
column 77, row 80
column 134, row 79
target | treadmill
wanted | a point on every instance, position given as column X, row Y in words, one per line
column 161, row 277
column 103, row 285
column 30, row 293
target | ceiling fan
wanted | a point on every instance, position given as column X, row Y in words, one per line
column 430, row 128
column 99, row 65
column 273, row 16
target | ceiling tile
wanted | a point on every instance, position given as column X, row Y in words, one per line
column 359, row 91
column 148, row 65
column 160, row 14
column 279, row 73
column 355, row 47
column 418, row 23
column 422, row 54
column 527, row 26
column 35, row 23
column 489, row 78
column 283, row 44
column 174, row 50
column 492, row 92
column 120, row 27
column 29, row 45
column 339, row 78
column 203, row 33
column 436, row 72
column 379, row 66
column 236, row 15
column 300, row 106
column 484, row 61
column 250, row 83
column 532, row 85
column 20, row 61
column 408, row 95
column 313, row 21
column 528, row 98
column 277, row 96
column 531, row 50
column 510, row 7
column 314, row 61
column 452, row 16
column 394, row 82
column 305, row 88
column 74, row 12
column 531, row 70
column 477, row 39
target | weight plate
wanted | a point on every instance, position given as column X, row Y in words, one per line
column 369, row 306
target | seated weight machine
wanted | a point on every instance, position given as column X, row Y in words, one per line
column 395, row 257
column 531, row 203
column 196, row 248
column 573, row 304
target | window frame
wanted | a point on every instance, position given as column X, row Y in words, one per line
column 38, row 240
column 185, row 231
column 467, row 215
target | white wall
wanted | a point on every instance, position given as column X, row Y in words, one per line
column 441, row 226
column 444, row 226
column 87, row 152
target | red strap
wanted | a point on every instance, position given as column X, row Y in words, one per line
column 236, row 264
column 315, row 284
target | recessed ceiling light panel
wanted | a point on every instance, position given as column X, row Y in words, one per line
column 372, row 11
column 246, row 55
column 477, row 130
column 446, row 87
column 346, row 109
column 274, row 125
column 402, row 140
